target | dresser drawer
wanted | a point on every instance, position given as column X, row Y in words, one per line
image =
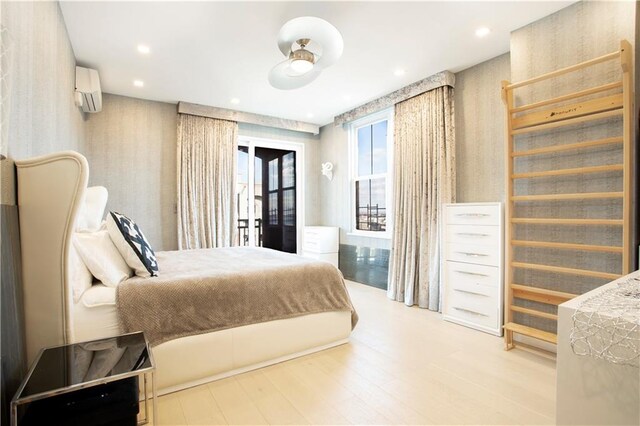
column 470, row 314
column 472, row 215
column 471, row 234
column 473, row 253
column 466, row 273
column 321, row 239
column 473, row 301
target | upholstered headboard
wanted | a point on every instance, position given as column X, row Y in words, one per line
column 51, row 190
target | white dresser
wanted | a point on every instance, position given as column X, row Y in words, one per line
column 321, row 243
column 472, row 271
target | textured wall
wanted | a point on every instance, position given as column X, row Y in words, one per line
column 479, row 115
column 42, row 116
column 335, row 195
column 131, row 149
column 577, row 33
column 311, row 164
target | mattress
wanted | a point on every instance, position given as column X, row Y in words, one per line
column 94, row 315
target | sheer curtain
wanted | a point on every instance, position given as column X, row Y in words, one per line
column 207, row 150
column 424, row 179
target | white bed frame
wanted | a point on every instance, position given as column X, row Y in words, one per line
column 51, row 191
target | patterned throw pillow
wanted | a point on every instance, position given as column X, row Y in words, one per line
column 132, row 245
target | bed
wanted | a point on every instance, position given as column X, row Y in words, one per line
column 52, row 194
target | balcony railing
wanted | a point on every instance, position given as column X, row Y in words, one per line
column 371, row 218
column 243, row 232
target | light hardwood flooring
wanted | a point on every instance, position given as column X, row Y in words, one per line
column 402, row 366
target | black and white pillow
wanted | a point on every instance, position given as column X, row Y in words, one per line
column 132, row 245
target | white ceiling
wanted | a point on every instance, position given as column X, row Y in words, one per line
column 210, row 52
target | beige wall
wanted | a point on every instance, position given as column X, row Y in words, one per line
column 42, row 116
column 131, row 149
column 479, row 118
column 335, row 195
column 577, row 33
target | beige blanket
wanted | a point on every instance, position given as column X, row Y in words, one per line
column 198, row 291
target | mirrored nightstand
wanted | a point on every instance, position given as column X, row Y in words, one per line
column 88, row 383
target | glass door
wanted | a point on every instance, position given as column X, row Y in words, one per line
column 267, row 195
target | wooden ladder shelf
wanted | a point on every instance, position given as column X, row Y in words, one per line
column 551, row 114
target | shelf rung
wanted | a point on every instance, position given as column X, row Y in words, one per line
column 603, row 88
column 563, row 270
column 534, row 312
column 542, row 295
column 575, row 171
column 531, row 332
column 561, row 71
column 566, row 112
column 567, row 147
column 566, row 246
column 553, row 221
column 568, row 122
column 577, row 196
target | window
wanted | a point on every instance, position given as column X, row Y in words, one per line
column 371, row 183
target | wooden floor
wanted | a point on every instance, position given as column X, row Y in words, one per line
column 402, row 366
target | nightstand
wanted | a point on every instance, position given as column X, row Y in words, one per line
column 88, row 383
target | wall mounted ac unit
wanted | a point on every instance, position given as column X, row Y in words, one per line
column 88, row 92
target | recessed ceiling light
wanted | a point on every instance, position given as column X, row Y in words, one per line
column 399, row 72
column 346, row 97
column 143, row 49
column 235, row 101
column 309, row 115
column 482, row 32
column 138, row 83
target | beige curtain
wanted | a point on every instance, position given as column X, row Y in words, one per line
column 207, row 150
column 424, row 179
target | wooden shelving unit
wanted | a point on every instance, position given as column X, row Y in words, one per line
column 530, row 118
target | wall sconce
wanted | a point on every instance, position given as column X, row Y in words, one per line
column 327, row 170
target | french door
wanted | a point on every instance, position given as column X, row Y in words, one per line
column 268, row 194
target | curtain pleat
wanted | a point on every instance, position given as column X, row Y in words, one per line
column 207, row 170
column 424, row 179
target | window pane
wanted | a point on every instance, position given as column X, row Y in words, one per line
column 289, row 207
column 371, row 212
column 380, row 148
column 364, row 151
column 273, row 208
column 288, row 170
column 257, row 204
column 273, row 175
column 242, row 192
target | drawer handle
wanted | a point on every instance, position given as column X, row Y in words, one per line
column 470, row 311
column 473, row 273
column 470, row 292
column 472, row 234
column 472, row 214
column 472, row 254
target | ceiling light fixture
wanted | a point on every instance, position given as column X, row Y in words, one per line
column 399, row 72
column 482, row 32
column 144, row 49
column 235, row 101
column 304, row 61
column 138, row 83
column 309, row 115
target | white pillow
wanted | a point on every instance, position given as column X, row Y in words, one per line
column 92, row 209
column 102, row 257
column 132, row 245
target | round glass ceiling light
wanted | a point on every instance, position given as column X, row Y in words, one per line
column 301, row 66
